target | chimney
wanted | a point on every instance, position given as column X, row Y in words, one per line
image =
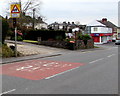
column 104, row 20
column 39, row 18
column 68, row 22
column 72, row 22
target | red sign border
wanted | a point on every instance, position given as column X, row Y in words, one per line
column 13, row 9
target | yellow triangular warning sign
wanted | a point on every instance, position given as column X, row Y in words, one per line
column 15, row 9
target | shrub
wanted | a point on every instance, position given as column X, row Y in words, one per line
column 86, row 37
column 59, row 38
column 19, row 38
column 80, row 36
column 6, row 51
column 44, row 34
column 5, row 28
column 10, row 33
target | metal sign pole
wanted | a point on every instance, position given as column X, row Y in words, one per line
column 14, row 24
column 16, row 41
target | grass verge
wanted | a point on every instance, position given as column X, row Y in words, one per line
column 96, row 47
column 30, row 41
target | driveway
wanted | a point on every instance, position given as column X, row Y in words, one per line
column 27, row 49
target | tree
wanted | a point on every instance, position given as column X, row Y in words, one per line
column 27, row 7
column 31, row 8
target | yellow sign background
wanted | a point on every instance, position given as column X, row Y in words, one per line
column 17, row 14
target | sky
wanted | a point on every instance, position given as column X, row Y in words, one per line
column 83, row 11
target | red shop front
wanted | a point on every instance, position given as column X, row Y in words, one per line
column 101, row 38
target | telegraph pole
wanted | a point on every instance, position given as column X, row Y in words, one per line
column 33, row 18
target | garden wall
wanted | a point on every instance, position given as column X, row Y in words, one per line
column 66, row 45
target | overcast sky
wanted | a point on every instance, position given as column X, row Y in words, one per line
column 84, row 11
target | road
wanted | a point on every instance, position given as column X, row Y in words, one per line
column 76, row 72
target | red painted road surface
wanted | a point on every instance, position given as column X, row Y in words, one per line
column 37, row 69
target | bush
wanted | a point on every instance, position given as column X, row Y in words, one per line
column 44, row 34
column 19, row 38
column 6, row 51
column 59, row 38
column 5, row 28
column 86, row 37
column 10, row 33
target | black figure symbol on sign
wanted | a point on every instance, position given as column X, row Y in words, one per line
column 15, row 10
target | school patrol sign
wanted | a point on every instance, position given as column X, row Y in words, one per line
column 15, row 10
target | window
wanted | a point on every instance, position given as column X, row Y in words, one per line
column 95, row 29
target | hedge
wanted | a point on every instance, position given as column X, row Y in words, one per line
column 45, row 35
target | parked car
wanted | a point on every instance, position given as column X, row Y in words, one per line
column 117, row 42
column 113, row 39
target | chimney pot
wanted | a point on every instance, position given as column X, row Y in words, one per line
column 104, row 20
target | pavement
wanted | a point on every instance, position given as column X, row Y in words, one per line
column 32, row 51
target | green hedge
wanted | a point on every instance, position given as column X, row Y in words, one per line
column 45, row 35
column 5, row 28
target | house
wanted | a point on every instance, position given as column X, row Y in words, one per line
column 65, row 26
column 58, row 26
column 99, row 32
column 110, row 25
column 40, row 24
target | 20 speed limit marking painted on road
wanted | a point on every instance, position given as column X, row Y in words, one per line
column 37, row 69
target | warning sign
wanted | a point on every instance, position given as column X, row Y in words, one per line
column 15, row 10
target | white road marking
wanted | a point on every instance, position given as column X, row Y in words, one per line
column 110, row 55
column 24, row 67
column 7, row 92
column 111, row 48
column 61, row 73
column 96, row 60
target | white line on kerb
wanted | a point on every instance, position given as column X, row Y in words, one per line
column 111, row 55
column 96, row 60
column 61, row 73
column 7, row 92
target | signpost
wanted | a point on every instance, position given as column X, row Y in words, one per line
column 15, row 10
